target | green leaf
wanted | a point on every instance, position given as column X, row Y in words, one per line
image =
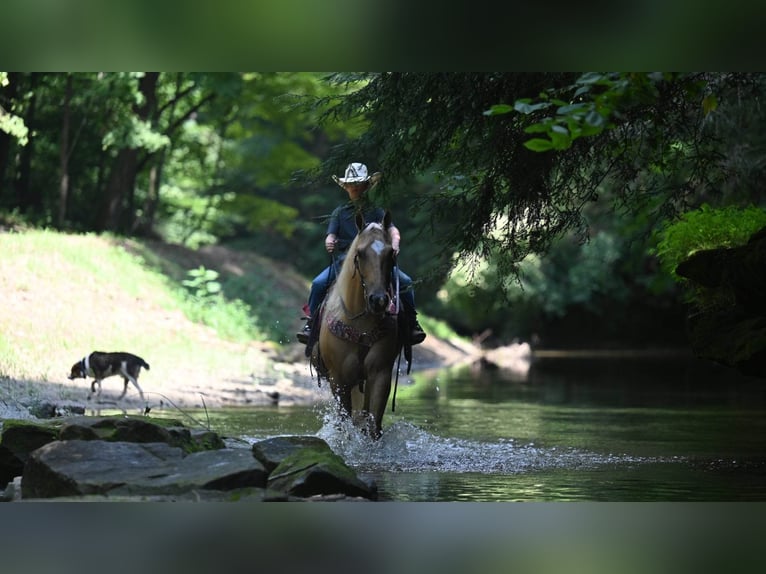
column 538, row 144
column 595, row 119
column 571, row 108
column 499, row 109
column 560, row 138
column 525, row 107
column 590, row 78
column 538, row 128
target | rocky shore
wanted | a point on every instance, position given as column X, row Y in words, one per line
column 133, row 459
column 55, row 443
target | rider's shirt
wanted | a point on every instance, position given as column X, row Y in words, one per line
column 343, row 222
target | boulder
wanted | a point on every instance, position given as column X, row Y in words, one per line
column 272, row 451
column 86, row 467
column 732, row 331
column 18, row 439
column 317, row 470
column 134, row 458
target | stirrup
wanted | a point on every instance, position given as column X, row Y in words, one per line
column 417, row 337
column 304, row 334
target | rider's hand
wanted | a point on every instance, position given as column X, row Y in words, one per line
column 396, row 237
column 329, row 243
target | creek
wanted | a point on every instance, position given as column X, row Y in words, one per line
column 573, row 428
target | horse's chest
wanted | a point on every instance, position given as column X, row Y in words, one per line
column 364, row 335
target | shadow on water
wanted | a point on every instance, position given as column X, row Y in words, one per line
column 577, row 428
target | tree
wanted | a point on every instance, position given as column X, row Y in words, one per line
column 648, row 136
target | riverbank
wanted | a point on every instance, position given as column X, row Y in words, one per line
column 67, row 295
column 280, row 376
column 284, row 378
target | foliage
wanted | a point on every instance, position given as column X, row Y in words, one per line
column 706, row 228
column 10, row 123
column 573, row 118
column 572, row 275
column 488, row 174
column 596, row 101
column 195, row 156
column 245, row 158
column 203, row 285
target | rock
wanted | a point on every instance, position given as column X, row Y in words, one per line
column 271, row 452
column 141, row 430
column 732, row 331
column 49, row 410
column 17, row 440
column 132, row 458
column 77, row 467
column 317, row 470
column 515, row 358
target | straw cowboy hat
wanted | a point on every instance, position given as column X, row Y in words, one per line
column 357, row 173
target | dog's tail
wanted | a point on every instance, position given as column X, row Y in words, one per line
column 144, row 364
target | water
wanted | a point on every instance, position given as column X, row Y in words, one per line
column 580, row 429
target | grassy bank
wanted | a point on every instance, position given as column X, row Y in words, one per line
column 67, row 295
column 212, row 321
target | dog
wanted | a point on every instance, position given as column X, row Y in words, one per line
column 100, row 365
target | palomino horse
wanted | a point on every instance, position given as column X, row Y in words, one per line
column 358, row 336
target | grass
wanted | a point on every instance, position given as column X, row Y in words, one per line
column 66, row 295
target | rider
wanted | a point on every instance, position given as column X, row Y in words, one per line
column 341, row 232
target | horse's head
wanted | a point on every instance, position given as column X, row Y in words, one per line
column 373, row 259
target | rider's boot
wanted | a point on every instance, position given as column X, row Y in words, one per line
column 417, row 335
column 304, row 334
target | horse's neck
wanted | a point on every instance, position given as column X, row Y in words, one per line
column 351, row 292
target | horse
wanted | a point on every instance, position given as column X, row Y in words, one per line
column 359, row 336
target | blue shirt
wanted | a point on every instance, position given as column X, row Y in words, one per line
column 343, row 222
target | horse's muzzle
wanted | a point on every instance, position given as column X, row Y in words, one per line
column 378, row 302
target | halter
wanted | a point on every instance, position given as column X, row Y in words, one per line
column 362, row 281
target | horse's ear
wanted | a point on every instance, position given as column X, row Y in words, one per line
column 359, row 221
column 387, row 220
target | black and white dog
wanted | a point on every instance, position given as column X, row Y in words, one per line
column 101, row 365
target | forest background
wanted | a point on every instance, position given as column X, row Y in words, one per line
column 533, row 206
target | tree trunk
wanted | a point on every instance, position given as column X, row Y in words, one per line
column 122, row 179
column 145, row 225
column 64, row 154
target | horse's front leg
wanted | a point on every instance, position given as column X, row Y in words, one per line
column 342, row 396
column 376, row 398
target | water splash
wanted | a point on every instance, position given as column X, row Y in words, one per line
column 406, row 448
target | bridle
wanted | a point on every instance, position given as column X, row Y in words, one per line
column 358, row 269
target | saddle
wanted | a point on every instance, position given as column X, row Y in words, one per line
column 403, row 332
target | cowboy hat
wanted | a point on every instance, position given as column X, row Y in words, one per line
column 357, row 173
